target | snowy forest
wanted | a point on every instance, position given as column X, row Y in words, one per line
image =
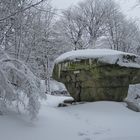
column 33, row 33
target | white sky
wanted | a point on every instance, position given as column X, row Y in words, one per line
column 128, row 7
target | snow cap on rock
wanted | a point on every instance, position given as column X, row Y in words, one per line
column 102, row 55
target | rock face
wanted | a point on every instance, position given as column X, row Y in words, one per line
column 93, row 80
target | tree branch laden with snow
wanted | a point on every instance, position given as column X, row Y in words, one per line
column 19, row 87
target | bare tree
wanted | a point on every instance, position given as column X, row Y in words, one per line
column 20, row 9
column 25, row 34
column 85, row 23
column 121, row 33
column 72, row 26
column 94, row 16
column 13, row 21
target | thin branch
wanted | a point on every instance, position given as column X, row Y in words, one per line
column 22, row 10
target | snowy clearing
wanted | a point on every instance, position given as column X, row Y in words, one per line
column 103, row 55
column 89, row 121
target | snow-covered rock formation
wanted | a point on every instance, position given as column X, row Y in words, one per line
column 97, row 74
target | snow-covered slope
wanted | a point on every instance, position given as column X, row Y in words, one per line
column 103, row 55
column 57, row 86
column 90, row 121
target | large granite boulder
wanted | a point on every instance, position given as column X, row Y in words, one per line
column 99, row 74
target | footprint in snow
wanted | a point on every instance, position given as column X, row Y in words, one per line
column 99, row 132
column 87, row 121
column 87, row 139
column 77, row 116
column 82, row 134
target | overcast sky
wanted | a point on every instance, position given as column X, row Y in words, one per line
column 128, row 6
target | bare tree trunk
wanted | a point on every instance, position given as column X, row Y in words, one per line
column 92, row 42
column 48, row 89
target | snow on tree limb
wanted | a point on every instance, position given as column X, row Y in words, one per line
column 21, row 10
column 17, row 79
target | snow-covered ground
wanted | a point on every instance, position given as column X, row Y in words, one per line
column 89, row 121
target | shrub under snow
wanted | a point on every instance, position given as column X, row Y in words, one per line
column 19, row 87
